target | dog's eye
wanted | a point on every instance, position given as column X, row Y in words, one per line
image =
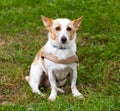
column 57, row 28
column 69, row 28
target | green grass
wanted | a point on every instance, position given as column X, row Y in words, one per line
column 22, row 34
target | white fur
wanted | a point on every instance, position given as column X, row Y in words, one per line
column 61, row 70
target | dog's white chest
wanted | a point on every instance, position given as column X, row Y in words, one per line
column 62, row 73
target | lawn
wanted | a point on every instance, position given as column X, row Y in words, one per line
column 22, row 34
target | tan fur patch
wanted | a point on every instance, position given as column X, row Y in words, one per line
column 53, row 32
column 28, row 79
column 72, row 35
column 38, row 56
column 72, row 31
column 52, row 35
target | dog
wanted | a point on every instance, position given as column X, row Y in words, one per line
column 57, row 59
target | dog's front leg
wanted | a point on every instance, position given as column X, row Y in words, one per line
column 74, row 89
column 52, row 80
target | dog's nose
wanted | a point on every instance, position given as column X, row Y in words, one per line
column 63, row 39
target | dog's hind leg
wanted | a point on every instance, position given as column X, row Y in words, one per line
column 35, row 78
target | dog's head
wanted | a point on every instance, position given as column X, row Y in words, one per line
column 62, row 32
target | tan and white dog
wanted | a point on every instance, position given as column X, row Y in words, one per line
column 61, row 47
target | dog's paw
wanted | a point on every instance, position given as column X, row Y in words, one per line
column 61, row 91
column 38, row 92
column 77, row 94
column 52, row 98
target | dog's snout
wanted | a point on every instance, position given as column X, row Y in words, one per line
column 63, row 39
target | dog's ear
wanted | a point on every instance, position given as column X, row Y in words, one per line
column 47, row 22
column 77, row 23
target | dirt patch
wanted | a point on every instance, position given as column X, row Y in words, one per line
column 2, row 43
column 11, row 93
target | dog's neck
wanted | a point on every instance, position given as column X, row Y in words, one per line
column 58, row 52
column 60, row 47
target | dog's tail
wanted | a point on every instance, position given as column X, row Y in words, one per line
column 27, row 78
